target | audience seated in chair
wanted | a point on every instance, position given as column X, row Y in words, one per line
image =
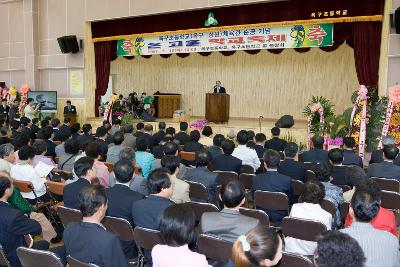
column 86, row 136
column 64, row 127
column 227, row 162
column 380, row 248
column 7, row 157
column 92, row 150
column 201, row 174
column 215, row 149
column 259, row 145
column 349, row 155
column 354, row 176
column 139, row 129
column 333, row 193
column 116, row 127
column 337, row 249
column 171, row 149
column 143, row 158
column 158, row 136
column 75, row 128
column 247, row 155
column 386, row 169
column 4, row 138
column 158, row 151
column 180, row 193
column 336, row 159
column 177, row 231
column 273, row 181
column 148, row 135
column 88, row 241
column 377, row 155
column 275, row 142
column 308, row 208
column 290, row 167
column 129, row 138
column 39, row 148
column 193, row 145
column 101, row 134
column 229, row 223
column 120, row 199
column 317, row 154
column 205, row 138
column 85, row 169
column 46, row 135
column 115, row 147
column 182, row 136
column 66, row 161
column 60, row 149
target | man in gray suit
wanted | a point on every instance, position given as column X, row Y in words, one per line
column 228, row 224
column 386, row 169
column 129, row 138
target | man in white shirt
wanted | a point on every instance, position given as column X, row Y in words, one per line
column 29, row 111
column 247, row 155
column 7, row 157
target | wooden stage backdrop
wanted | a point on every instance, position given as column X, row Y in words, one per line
column 264, row 84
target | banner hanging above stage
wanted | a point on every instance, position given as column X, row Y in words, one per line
column 297, row 36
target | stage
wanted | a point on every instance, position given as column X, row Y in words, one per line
column 298, row 131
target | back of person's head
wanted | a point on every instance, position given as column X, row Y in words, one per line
column 71, row 146
column 93, row 150
column 107, row 125
column 15, row 124
column 128, row 128
column 312, row 193
column 207, row 131
column 118, row 138
column 390, row 152
column 25, row 121
column 170, row 131
column 39, row 147
column 170, row 148
column 65, row 134
column 194, row 136
column 203, row 158
column 148, row 128
column 318, row 142
column 162, row 125
column 183, row 126
column 177, row 225
column 139, row 126
column 55, row 122
column 335, row 156
column 158, row 180
column 242, row 137
column 260, row 138
column 272, row 158
column 232, row 194
column 323, row 172
column 35, row 121
column 141, row 144
column 275, row 131
column 228, row 146
column 349, row 141
column 5, row 184
column 116, row 122
column 291, row 150
column 22, row 139
column 365, row 202
column 91, row 199
column 338, row 249
column 6, row 150
column 354, row 175
column 45, row 133
column 251, row 135
column 127, row 153
column 170, row 162
column 86, row 128
column 66, row 120
column 123, row 170
column 44, row 123
column 259, row 245
column 101, row 131
column 218, row 139
column 26, row 152
column 4, row 131
column 82, row 166
column 75, row 127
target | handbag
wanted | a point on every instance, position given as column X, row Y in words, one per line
column 58, row 176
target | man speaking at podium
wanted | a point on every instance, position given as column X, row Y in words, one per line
column 218, row 89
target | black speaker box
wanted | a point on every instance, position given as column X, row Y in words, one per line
column 63, row 45
column 285, row 121
column 72, row 44
column 397, row 20
column 147, row 117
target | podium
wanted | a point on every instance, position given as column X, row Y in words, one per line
column 217, row 107
column 72, row 117
column 166, row 104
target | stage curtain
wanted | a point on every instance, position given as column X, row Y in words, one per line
column 367, row 45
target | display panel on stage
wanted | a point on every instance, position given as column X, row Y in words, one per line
column 166, row 104
column 217, row 107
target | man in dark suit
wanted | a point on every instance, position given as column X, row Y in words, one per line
column 259, row 146
column 120, row 200
column 88, row 241
column 4, row 110
column 69, row 109
column 25, row 126
column 227, row 162
column 274, row 182
column 386, row 169
column 13, row 114
column 275, row 142
column 55, row 123
column 101, row 134
column 215, row 149
column 139, row 129
column 336, row 159
column 65, row 125
column 316, row 155
column 349, row 156
column 377, row 155
column 161, row 132
column 148, row 135
column 4, row 139
column 201, row 174
column 46, row 133
column 85, row 170
column 218, row 89
column 193, row 145
column 86, row 137
column 182, row 136
column 290, row 167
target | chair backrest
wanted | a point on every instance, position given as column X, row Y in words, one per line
column 197, row 191
column 297, row 187
column 76, row 263
column 56, row 188
column 345, row 188
column 110, row 166
column 329, row 207
column 247, row 169
column 199, row 208
column 214, row 248
column 32, row 258
column 146, row 238
column 387, row 184
column 226, row 176
column 271, row 200
column 247, row 180
column 3, row 258
column 189, row 156
column 68, row 215
column 23, row 186
column 390, row 200
column 294, row 260
column 261, row 215
column 118, row 226
column 303, row 229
